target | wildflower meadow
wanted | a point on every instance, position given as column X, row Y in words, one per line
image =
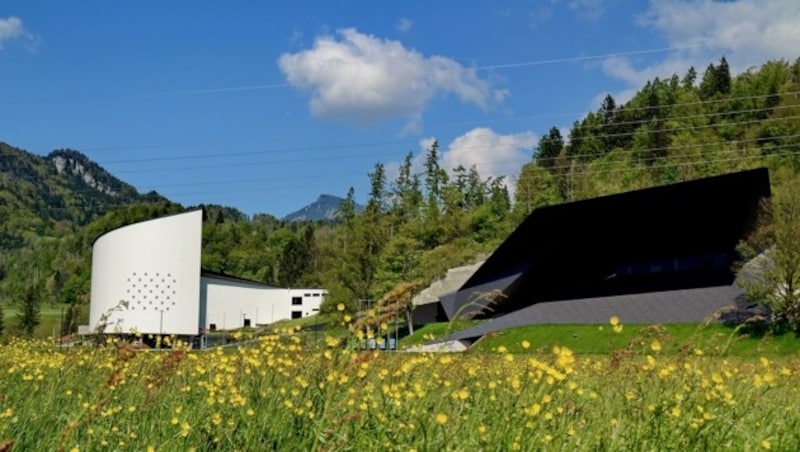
column 279, row 392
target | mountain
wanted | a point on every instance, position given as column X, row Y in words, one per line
column 52, row 208
column 325, row 208
column 40, row 196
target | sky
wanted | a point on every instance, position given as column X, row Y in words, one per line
column 265, row 105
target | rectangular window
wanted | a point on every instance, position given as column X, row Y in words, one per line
column 306, row 294
column 316, row 294
column 297, row 314
column 297, row 301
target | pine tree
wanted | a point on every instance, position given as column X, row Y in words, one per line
column 550, row 147
column 406, row 196
column 28, row 315
column 608, row 132
column 377, row 194
column 708, row 86
column 347, row 208
column 689, row 79
column 435, row 176
column 723, row 77
column 432, row 231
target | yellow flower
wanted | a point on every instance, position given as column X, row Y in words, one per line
column 614, row 320
column 655, row 345
column 526, row 344
column 441, row 418
column 340, row 307
column 766, row 445
column 185, row 429
column 617, row 328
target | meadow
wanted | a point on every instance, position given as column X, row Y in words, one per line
column 282, row 391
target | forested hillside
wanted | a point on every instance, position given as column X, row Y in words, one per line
column 46, row 206
column 676, row 129
column 423, row 221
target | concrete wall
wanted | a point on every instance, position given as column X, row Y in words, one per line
column 226, row 303
column 154, row 267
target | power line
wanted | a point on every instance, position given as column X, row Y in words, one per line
column 408, row 142
column 662, row 158
column 592, row 57
column 471, row 148
column 495, row 162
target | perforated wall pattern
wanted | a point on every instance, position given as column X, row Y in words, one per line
column 149, row 290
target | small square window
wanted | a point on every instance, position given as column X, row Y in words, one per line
column 297, row 301
column 297, row 314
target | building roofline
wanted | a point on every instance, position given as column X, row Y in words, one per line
column 226, row 277
column 145, row 221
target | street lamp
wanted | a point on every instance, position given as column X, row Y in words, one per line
column 160, row 327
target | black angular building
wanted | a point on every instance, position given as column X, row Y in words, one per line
column 658, row 255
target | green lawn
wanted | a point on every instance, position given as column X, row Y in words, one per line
column 711, row 339
column 49, row 316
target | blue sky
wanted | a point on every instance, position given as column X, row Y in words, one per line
column 265, row 105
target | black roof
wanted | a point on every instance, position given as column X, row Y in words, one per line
column 661, row 239
column 225, row 277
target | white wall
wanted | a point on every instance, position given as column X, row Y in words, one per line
column 310, row 302
column 154, row 266
column 227, row 303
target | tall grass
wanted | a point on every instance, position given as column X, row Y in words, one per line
column 281, row 394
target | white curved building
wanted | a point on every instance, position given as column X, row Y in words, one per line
column 146, row 277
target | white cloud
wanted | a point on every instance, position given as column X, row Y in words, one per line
column 492, row 154
column 361, row 78
column 404, row 24
column 747, row 32
column 11, row 28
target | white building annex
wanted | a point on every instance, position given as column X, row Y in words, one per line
column 146, row 277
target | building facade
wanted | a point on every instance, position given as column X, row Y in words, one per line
column 146, row 277
column 659, row 255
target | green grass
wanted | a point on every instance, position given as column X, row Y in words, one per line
column 435, row 330
column 712, row 339
column 49, row 320
column 279, row 394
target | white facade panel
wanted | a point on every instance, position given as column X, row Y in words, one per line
column 310, row 301
column 229, row 303
column 154, row 266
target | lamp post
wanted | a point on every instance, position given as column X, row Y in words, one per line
column 160, row 327
column 61, row 329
